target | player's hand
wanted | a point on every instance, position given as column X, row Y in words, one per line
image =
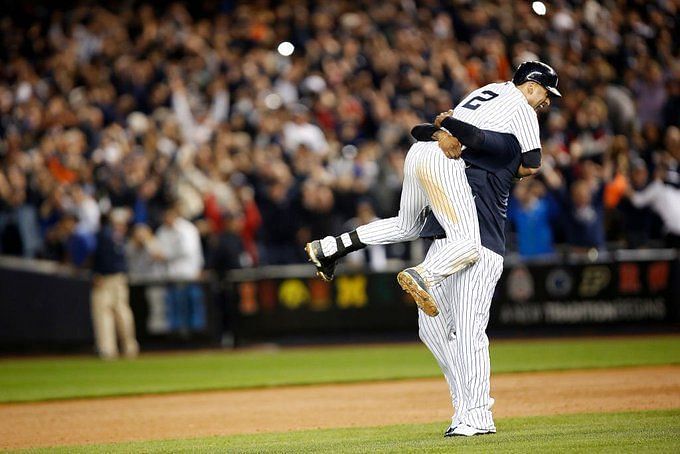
column 441, row 117
column 449, row 144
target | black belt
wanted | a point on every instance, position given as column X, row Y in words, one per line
column 440, row 236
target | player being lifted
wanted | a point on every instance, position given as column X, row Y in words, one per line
column 434, row 182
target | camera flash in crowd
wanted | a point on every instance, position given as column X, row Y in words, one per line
column 272, row 101
column 538, row 7
column 286, row 48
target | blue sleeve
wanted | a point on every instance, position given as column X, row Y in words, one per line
column 497, row 143
column 424, row 132
column 474, row 138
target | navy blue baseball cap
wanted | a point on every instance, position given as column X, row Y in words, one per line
column 538, row 72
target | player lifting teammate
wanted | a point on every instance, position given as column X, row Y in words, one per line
column 499, row 127
column 433, row 182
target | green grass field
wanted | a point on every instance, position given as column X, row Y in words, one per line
column 23, row 380
column 652, row 431
column 62, row 378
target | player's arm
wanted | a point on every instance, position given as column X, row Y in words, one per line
column 448, row 143
column 474, row 138
column 524, row 124
column 530, row 163
column 491, row 142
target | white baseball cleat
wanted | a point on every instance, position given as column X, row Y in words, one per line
column 451, row 431
column 466, row 430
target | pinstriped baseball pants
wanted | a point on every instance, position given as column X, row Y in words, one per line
column 431, row 179
column 457, row 337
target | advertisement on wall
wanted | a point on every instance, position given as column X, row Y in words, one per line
column 536, row 295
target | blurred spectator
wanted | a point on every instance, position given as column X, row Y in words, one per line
column 179, row 249
column 299, row 131
column 651, row 95
column 111, row 312
column 19, row 234
column 141, row 251
column 198, row 131
column 281, row 217
column 581, row 205
column 531, row 213
column 136, row 104
column 69, row 243
column 670, row 158
column 86, row 209
column 662, row 198
column 592, row 133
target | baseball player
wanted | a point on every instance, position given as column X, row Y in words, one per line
column 430, row 180
column 500, row 119
column 440, row 184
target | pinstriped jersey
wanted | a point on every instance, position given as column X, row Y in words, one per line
column 501, row 107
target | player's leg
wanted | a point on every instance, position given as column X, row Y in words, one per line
column 409, row 221
column 473, row 291
column 436, row 333
column 452, row 202
column 403, row 227
column 450, row 198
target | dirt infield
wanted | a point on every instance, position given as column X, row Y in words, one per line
column 187, row 415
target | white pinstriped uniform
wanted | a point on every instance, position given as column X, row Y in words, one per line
column 431, row 179
column 457, row 338
column 507, row 112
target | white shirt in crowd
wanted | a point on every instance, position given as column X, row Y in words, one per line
column 195, row 132
column 181, row 246
column 664, row 200
column 88, row 215
column 306, row 134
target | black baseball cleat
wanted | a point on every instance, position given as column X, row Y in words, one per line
column 325, row 266
column 449, row 431
column 413, row 284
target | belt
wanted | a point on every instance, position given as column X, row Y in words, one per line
column 439, row 236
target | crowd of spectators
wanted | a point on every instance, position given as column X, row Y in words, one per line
column 189, row 108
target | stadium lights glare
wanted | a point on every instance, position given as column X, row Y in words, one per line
column 539, row 8
column 286, row 48
column 273, row 101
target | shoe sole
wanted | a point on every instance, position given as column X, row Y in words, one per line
column 423, row 299
column 448, row 434
column 473, row 435
column 312, row 258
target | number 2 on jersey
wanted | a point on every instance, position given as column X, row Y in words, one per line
column 475, row 102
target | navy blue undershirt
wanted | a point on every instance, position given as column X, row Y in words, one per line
column 490, row 171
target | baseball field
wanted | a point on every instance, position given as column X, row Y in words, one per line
column 617, row 394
